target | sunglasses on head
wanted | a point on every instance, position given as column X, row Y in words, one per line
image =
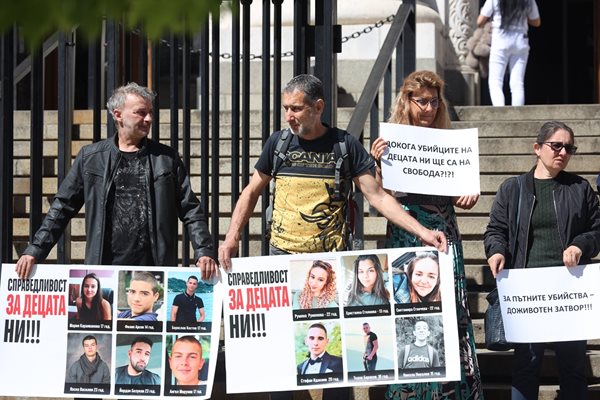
column 558, row 146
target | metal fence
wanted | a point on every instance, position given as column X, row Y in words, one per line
column 86, row 72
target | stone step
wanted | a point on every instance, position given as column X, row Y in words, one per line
column 489, row 185
column 525, row 128
column 506, row 165
column 492, row 391
column 534, row 112
column 489, row 148
column 479, row 332
column 497, row 365
column 501, row 391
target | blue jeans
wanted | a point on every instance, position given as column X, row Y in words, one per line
column 527, row 362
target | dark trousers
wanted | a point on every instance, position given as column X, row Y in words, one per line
column 370, row 365
column 339, row 393
column 527, row 362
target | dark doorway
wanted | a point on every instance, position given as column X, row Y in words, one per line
column 561, row 66
column 561, row 59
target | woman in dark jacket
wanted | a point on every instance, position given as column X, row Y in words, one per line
column 546, row 217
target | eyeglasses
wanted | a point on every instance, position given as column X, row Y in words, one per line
column 558, row 146
column 422, row 103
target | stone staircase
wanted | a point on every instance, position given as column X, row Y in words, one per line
column 506, row 136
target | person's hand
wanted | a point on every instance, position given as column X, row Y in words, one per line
column 496, row 263
column 370, row 357
column 466, row 202
column 208, row 267
column 25, row 266
column 571, row 256
column 377, row 149
column 436, row 239
column 227, row 249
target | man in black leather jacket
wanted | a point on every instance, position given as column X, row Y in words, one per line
column 134, row 190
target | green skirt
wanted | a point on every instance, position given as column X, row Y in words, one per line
column 442, row 218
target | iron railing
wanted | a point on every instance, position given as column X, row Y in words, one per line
column 171, row 67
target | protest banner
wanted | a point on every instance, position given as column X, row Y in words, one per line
column 560, row 303
column 298, row 321
column 97, row 331
column 430, row 161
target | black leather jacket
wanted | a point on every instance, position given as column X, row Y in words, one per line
column 89, row 181
column 577, row 215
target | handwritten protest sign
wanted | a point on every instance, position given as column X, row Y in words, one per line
column 551, row 304
column 48, row 331
column 430, row 161
column 298, row 321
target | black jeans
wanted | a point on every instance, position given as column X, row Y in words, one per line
column 527, row 362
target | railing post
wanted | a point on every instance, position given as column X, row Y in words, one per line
column 186, row 66
column 155, row 80
column 112, row 75
column 266, row 110
column 245, row 247
column 235, row 107
column 7, row 149
column 215, row 119
column 94, row 86
column 301, row 13
column 325, row 55
column 406, row 49
column 204, row 117
column 277, row 65
column 174, row 91
column 66, row 93
column 142, row 60
column 36, row 143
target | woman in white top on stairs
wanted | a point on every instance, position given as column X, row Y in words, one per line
column 510, row 45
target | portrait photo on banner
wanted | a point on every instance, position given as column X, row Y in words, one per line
column 370, row 344
column 420, row 345
column 91, row 299
column 138, row 364
column 189, row 303
column 88, row 363
column 318, row 347
column 140, row 301
column 314, row 283
column 366, row 285
column 417, row 282
column 186, row 364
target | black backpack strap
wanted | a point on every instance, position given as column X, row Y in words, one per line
column 342, row 168
column 280, row 153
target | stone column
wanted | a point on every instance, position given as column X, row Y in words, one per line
column 462, row 17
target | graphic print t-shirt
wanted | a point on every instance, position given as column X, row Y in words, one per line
column 127, row 215
column 307, row 218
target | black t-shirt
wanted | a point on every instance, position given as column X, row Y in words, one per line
column 186, row 307
column 307, row 218
column 127, row 240
column 369, row 346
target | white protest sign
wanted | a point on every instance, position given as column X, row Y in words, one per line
column 46, row 332
column 430, row 161
column 280, row 335
column 550, row 304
